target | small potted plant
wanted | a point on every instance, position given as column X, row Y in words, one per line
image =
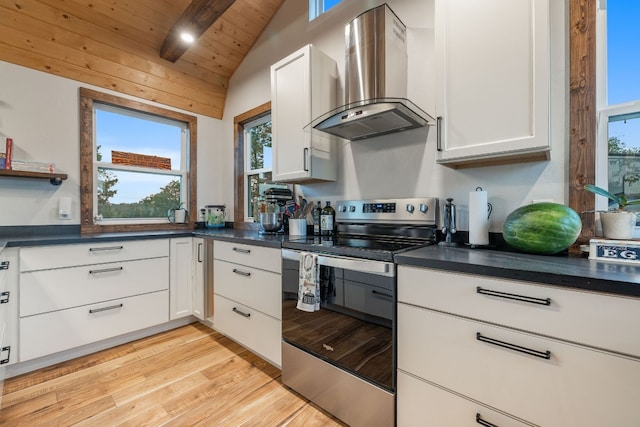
column 178, row 214
column 617, row 223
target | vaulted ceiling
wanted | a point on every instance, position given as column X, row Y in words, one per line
column 116, row 44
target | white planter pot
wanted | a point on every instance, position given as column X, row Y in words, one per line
column 618, row 225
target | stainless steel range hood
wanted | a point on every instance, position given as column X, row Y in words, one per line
column 375, row 81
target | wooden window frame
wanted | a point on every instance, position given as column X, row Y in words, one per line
column 87, row 180
column 583, row 111
column 239, row 164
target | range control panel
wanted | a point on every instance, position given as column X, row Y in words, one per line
column 403, row 211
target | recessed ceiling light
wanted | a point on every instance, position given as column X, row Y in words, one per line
column 187, row 37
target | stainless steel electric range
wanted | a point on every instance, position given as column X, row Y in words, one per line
column 342, row 357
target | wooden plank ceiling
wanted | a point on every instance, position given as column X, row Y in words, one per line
column 116, row 44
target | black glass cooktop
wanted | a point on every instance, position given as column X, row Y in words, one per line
column 360, row 247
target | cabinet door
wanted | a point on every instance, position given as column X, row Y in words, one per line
column 198, row 277
column 493, row 74
column 290, row 112
column 303, row 86
column 181, row 278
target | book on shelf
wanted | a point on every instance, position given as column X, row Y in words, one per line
column 6, row 150
column 9, row 154
column 31, row 166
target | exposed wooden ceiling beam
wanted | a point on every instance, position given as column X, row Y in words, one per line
column 196, row 19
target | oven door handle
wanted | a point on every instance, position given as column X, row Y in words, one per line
column 381, row 268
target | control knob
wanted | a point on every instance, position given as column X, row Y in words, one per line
column 410, row 208
column 423, row 208
column 342, row 208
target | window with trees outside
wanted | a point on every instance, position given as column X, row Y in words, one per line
column 618, row 98
column 253, row 173
column 137, row 160
column 258, row 174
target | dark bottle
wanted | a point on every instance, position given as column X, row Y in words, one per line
column 327, row 217
column 316, row 219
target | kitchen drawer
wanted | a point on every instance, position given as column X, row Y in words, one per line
column 576, row 386
column 62, row 330
column 255, row 330
column 422, row 404
column 51, row 290
column 599, row 320
column 258, row 289
column 45, row 257
column 9, row 278
column 255, row 256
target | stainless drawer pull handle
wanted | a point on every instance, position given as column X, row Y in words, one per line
column 105, row 270
column 493, row 341
column 8, row 350
column 242, row 251
column 516, row 297
column 242, row 273
column 111, row 307
column 482, row 422
column 4, row 297
column 200, row 252
column 241, row 313
column 382, row 294
column 107, row 248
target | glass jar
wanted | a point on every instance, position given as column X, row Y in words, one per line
column 215, row 216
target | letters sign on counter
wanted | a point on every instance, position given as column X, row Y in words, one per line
column 614, row 250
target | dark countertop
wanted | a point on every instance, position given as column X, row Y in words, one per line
column 560, row 270
column 240, row 236
column 249, row 237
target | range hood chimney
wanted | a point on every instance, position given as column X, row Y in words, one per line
column 375, row 81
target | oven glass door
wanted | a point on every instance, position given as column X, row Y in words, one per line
column 354, row 328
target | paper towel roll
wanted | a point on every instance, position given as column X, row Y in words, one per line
column 478, row 218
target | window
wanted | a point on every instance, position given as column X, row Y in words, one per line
column 138, row 162
column 253, row 163
column 318, row 7
column 618, row 99
column 257, row 140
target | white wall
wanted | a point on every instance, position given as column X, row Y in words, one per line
column 41, row 113
column 402, row 165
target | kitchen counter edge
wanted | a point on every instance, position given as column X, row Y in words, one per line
column 239, row 236
column 617, row 278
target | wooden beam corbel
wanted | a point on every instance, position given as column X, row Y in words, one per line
column 196, row 19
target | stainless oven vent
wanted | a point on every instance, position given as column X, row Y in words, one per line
column 375, row 81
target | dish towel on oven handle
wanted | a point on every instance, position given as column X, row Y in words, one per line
column 308, row 285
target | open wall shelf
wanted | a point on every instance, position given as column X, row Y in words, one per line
column 54, row 178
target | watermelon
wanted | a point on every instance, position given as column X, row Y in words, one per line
column 542, row 228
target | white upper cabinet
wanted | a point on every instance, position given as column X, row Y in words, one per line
column 303, row 86
column 493, row 81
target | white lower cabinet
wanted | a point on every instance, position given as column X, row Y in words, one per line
column 424, row 404
column 9, row 306
column 181, row 277
column 483, row 358
column 56, row 331
column 199, row 263
column 98, row 291
column 249, row 327
column 247, row 297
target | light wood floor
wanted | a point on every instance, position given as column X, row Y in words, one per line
column 190, row 376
